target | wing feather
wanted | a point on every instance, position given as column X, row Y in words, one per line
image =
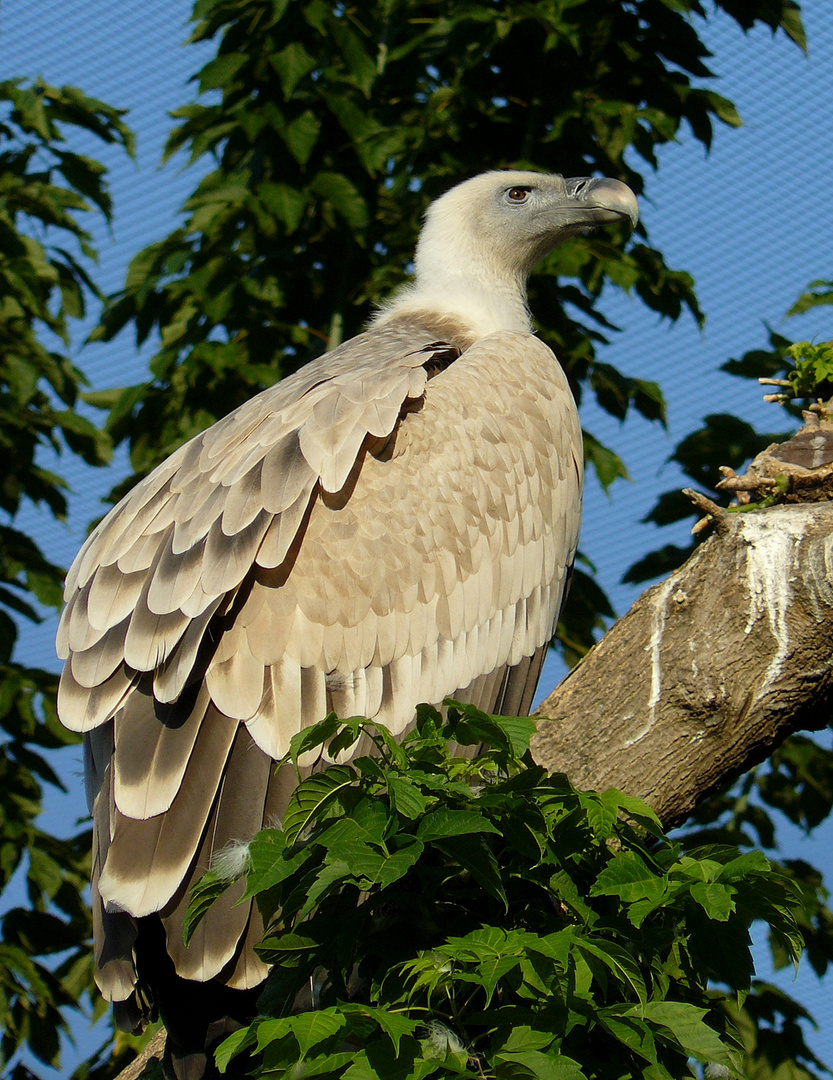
column 173, row 675
column 112, row 596
column 244, row 501
column 98, row 750
column 285, row 475
column 283, row 531
column 169, row 841
column 83, row 708
column 134, row 515
column 135, row 557
column 192, row 525
column 248, row 970
column 151, row 756
column 228, row 559
column 174, row 578
column 235, row 676
column 149, row 640
column 115, row 931
column 75, row 632
column 93, row 666
column 237, row 815
column 278, row 716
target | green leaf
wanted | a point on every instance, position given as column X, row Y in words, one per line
column 630, row 878
column 520, row 730
column 286, row 948
column 479, row 860
column 395, row 1025
column 286, row 203
column 617, row 960
column 361, row 69
column 630, row 1030
column 715, row 899
column 314, row 1027
column 685, row 1022
column 313, row 736
column 292, row 64
column 750, row 862
column 235, row 1044
column 220, row 72
column 725, row 110
column 637, row 810
column 443, row 823
column 343, row 196
column 204, row 893
column 302, row 135
column 817, row 294
column 543, row 1066
column 378, row 1059
column 522, row 1037
column 405, row 796
column 395, row 866
column 607, row 464
column 270, row 862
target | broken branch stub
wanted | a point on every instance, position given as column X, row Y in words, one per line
column 708, row 671
column 800, row 469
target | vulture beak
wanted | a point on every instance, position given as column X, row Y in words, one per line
column 600, row 201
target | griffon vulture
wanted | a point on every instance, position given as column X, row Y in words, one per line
column 394, row 523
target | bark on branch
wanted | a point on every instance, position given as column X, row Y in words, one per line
column 708, row 671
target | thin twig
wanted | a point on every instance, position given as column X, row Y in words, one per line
column 713, row 512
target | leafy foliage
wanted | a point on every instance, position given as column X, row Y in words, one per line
column 796, row 782
column 473, row 917
column 818, row 293
column 45, row 189
column 812, row 376
column 589, row 608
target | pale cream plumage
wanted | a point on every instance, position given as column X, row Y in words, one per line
column 393, row 524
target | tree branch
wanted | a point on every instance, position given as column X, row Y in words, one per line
column 709, row 670
column 153, row 1051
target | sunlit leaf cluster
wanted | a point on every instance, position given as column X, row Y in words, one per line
column 459, row 916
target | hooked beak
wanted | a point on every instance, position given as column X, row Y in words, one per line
column 600, row 202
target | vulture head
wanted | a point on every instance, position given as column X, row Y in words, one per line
column 483, row 237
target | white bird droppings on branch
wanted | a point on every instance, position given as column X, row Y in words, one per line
column 771, row 551
column 654, row 648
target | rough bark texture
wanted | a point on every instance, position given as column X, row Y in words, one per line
column 154, row 1051
column 709, row 670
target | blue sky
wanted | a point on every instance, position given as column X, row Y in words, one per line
column 752, row 221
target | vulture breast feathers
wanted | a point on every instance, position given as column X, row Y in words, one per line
column 392, row 524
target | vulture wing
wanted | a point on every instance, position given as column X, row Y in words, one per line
column 382, row 528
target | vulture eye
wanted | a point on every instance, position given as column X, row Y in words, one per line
column 518, row 194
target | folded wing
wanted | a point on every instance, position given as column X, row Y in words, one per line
column 359, row 538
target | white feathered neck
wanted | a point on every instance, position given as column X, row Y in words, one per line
column 460, row 272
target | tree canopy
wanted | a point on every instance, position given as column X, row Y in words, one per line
column 330, row 127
